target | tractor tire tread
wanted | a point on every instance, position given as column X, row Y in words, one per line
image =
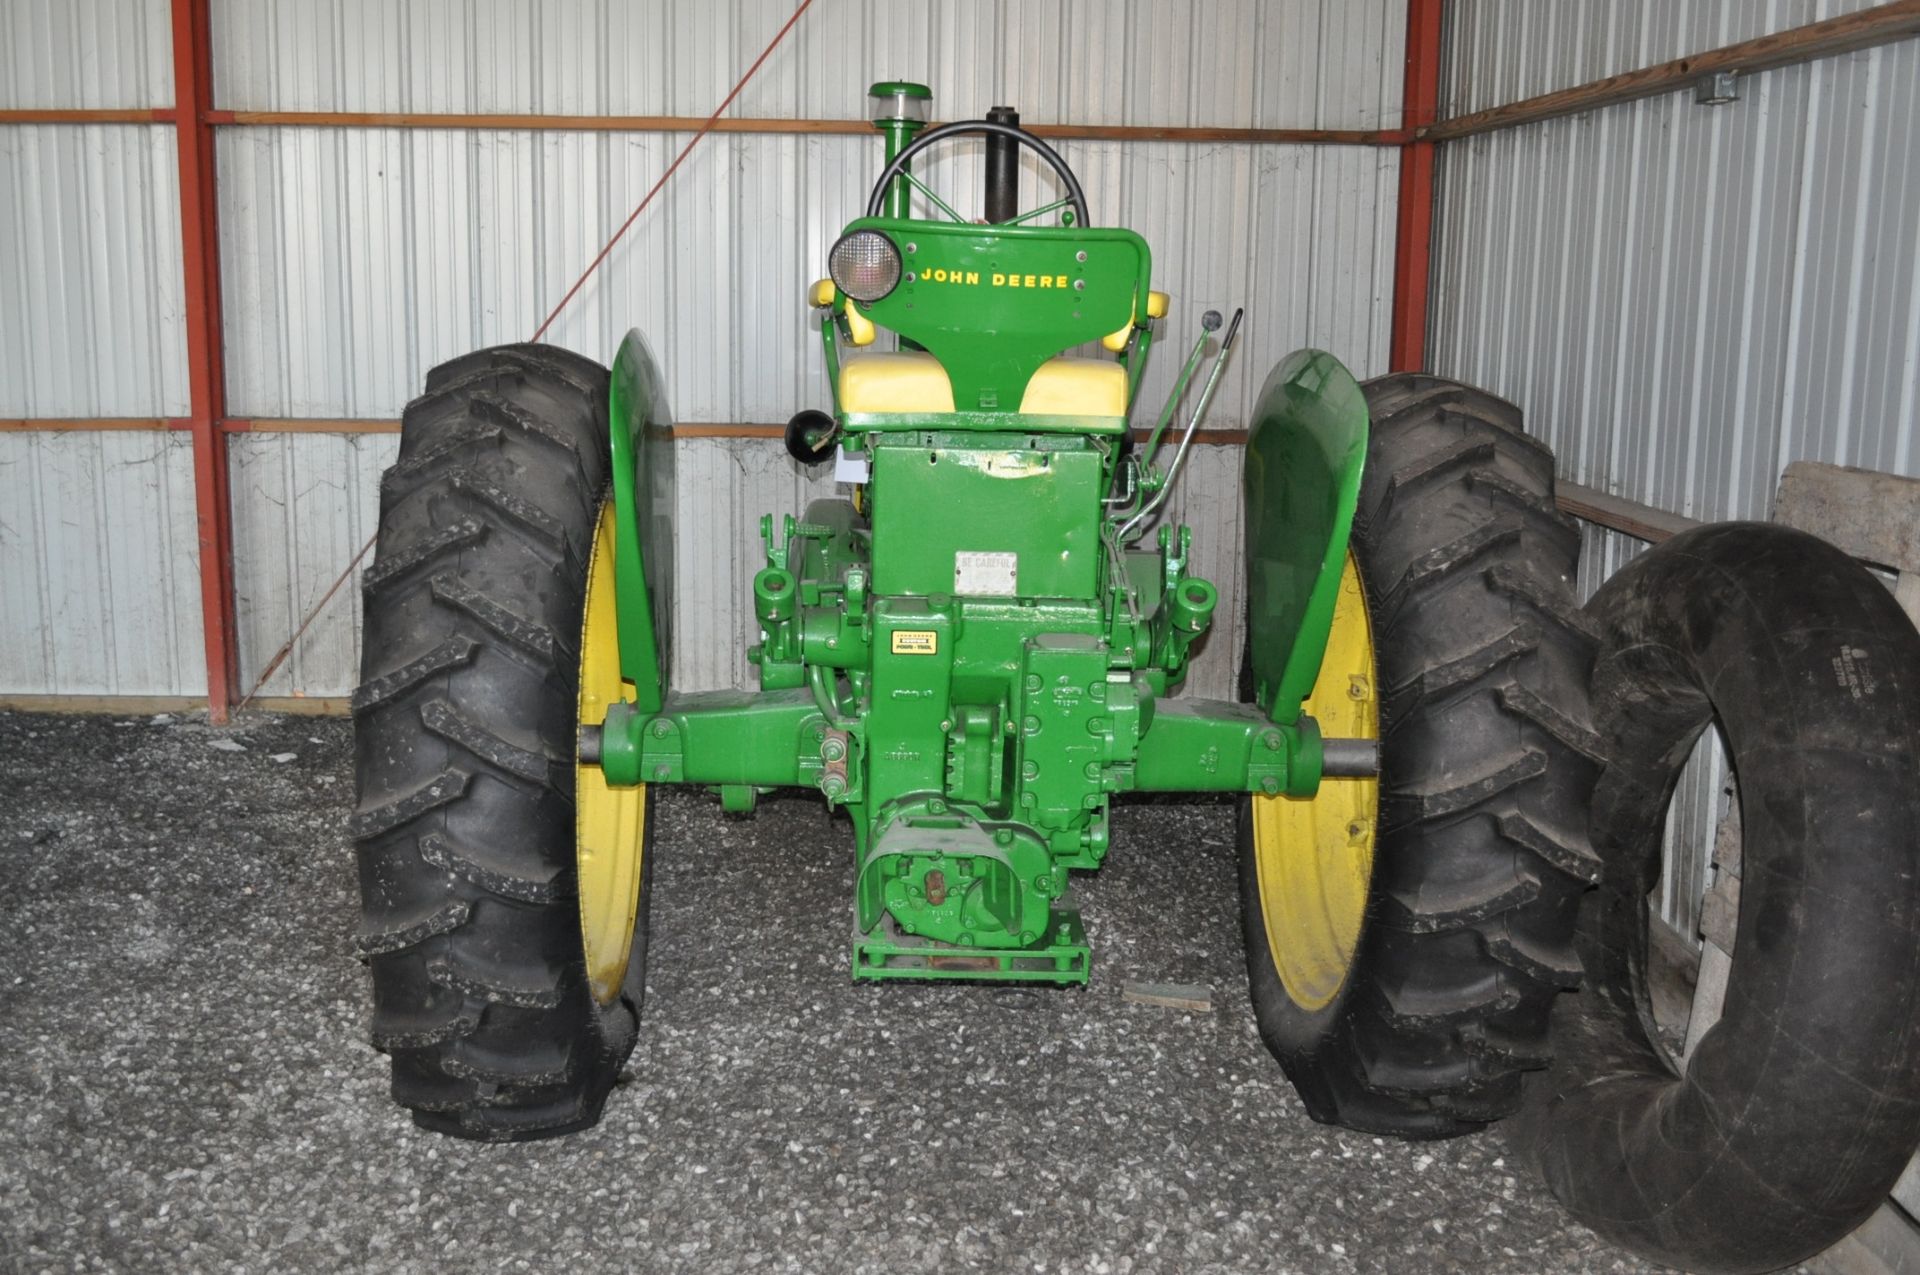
column 394, row 568
column 452, row 653
column 444, row 720
column 441, row 851
column 1481, row 855
column 465, row 735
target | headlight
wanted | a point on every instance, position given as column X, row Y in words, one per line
column 865, row 265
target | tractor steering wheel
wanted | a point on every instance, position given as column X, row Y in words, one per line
column 983, row 128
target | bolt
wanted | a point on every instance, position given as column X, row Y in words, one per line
column 1357, row 687
column 662, row 729
column 946, row 723
column 1004, row 836
column 1272, row 741
column 936, row 807
column 833, row 785
column 834, row 747
column 1081, row 255
column 1270, row 786
column 661, row 772
column 1079, row 285
column 1031, row 770
column 1032, row 725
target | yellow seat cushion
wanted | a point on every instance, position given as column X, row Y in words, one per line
column 1077, row 387
column 910, row 381
column 914, row 381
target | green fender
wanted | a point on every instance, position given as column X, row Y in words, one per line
column 640, row 429
column 1305, row 455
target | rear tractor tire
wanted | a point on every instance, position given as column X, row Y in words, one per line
column 471, row 806
column 1408, row 936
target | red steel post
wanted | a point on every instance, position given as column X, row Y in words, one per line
column 206, row 377
column 1413, row 238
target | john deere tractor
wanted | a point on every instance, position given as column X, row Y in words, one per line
column 974, row 654
column 983, row 646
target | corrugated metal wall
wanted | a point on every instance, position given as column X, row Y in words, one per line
column 355, row 259
column 1685, row 298
column 99, row 561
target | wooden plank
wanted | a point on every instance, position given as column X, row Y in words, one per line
column 1207, row 133
column 305, row 425
column 529, row 122
column 122, row 705
column 79, row 424
column 303, row 705
column 1871, row 515
column 1643, row 522
column 1906, row 1192
column 702, row 429
column 850, row 128
column 1882, row 24
column 685, row 429
column 1194, row 997
column 89, row 115
column 147, row 705
column 1888, row 1243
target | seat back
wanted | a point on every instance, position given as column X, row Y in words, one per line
column 993, row 303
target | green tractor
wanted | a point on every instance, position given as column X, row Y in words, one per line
column 1435, row 752
column 975, row 655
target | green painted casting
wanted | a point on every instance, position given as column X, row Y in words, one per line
column 972, row 660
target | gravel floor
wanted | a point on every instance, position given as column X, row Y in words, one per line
column 184, row 1083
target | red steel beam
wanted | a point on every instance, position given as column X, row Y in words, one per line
column 206, row 376
column 1413, row 236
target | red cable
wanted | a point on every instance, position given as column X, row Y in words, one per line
column 684, row 152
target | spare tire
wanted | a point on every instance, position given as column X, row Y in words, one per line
column 1796, row 1112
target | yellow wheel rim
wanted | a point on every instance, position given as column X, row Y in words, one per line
column 609, row 822
column 1313, row 857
